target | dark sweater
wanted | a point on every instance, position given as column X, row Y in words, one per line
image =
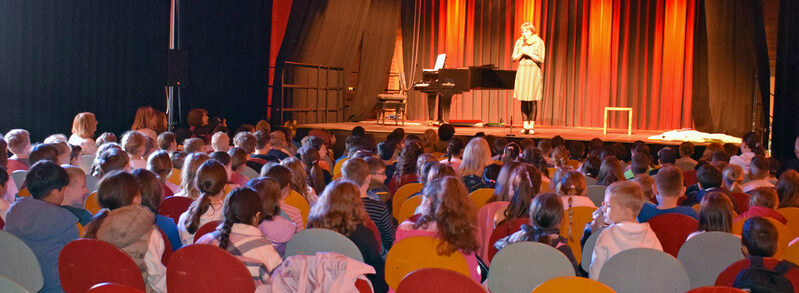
column 367, row 244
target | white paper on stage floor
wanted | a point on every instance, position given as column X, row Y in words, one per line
column 695, row 136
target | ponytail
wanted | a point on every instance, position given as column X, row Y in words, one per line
column 196, row 210
column 94, row 225
column 211, row 179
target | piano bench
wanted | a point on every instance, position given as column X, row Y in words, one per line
column 387, row 103
column 629, row 119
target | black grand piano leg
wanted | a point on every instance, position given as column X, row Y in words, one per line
column 444, row 103
column 431, row 107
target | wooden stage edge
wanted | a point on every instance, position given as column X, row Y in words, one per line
column 568, row 133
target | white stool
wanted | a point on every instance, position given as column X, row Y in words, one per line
column 629, row 119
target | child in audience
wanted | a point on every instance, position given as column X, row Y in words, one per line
column 161, row 165
column 788, row 189
column 758, row 174
column 715, row 214
column 523, row 195
column 623, row 201
column 240, row 236
column 151, row 191
column 111, row 158
column 224, row 159
column 211, row 180
column 750, row 147
column 406, row 166
column 5, row 201
column 377, row 177
column 299, row 179
column 356, row 170
column 476, row 157
column 668, row 189
column 763, row 203
column 238, row 160
column 19, row 144
column 707, row 177
column 429, row 139
column 75, row 194
column 610, row 171
column 732, row 178
column 454, row 153
column 75, row 155
column 104, row 138
column 573, row 190
column 41, row 223
column 189, row 173
column 220, row 142
column 685, row 162
column 759, row 241
column 133, row 143
column 167, row 141
column 145, row 122
column 282, row 175
column 448, row 215
column 340, row 209
column 316, row 178
column 83, row 128
column 63, row 149
column 194, row 145
column 275, row 228
column 504, row 186
column 43, row 151
column 546, row 214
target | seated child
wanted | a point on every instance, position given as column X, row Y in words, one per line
column 759, row 242
column 623, row 201
column 758, row 175
column 151, row 198
column 282, row 175
column 763, row 203
column 275, row 228
column 211, row 180
column 573, row 190
column 41, row 223
column 715, row 214
column 19, row 144
column 668, row 189
column 75, row 194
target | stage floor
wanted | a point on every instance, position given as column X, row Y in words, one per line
column 568, row 133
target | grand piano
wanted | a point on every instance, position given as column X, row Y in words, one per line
column 445, row 82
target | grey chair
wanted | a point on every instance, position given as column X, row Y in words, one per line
column 86, row 162
column 19, row 264
column 644, row 270
column 588, row 250
column 19, row 177
column 520, row 267
column 311, row 241
column 10, row 286
column 248, row 172
column 706, row 255
column 596, row 193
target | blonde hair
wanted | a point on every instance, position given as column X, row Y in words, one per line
column 528, row 26
column 733, row 176
column 220, row 141
column 134, row 142
column 189, row 174
column 144, row 118
column 339, row 208
column 628, row 194
column 84, row 125
column 476, row 157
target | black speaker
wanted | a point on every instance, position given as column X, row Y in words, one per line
column 178, row 68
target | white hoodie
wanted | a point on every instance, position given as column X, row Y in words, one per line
column 619, row 237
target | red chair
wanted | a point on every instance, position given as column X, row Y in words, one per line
column 503, row 230
column 728, row 275
column 2, row 224
column 173, row 206
column 206, row 268
column 741, row 201
column 363, row 286
column 205, row 229
column 113, row 288
column 716, row 289
column 438, row 280
column 672, row 230
column 689, row 177
column 84, row 263
column 167, row 248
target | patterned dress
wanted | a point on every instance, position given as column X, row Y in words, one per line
column 529, row 80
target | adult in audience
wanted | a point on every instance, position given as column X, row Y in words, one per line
column 84, row 125
column 793, row 162
column 198, row 124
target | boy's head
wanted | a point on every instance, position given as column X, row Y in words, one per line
column 759, row 237
column 708, row 176
column 246, row 141
column 238, row 158
column 387, row 150
column 640, row 163
column 220, row 142
column 19, row 142
column 262, row 138
column 356, row 170
column 193, row 145
column 282, row 175
column 764, row 197
column 623, row 201
column 686, row 149
column 134, row 143
column 667, row 155
column 75, row 192
column 446, row 132
column 44, row 151
column 112, row 160
column 377, row 169
column 669, row 181
column 759, row 167
column 46, row 181
column 167, row 141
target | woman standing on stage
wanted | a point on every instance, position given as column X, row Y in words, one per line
column 529, row 51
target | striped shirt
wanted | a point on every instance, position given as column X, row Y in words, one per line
column 251, row 247
column 378, row 212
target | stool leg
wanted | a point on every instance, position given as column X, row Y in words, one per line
column 605, row 125
column 630, row 123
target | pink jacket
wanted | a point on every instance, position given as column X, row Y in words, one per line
column 323, row 272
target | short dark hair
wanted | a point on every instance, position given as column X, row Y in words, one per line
column 281, row 174
column 558, row 141
column 640, row 163
column 759, row 237
column 43, row 151
column 667, row 155
column 397, row 134
column 445, row 131
column 357, row 131
column 386, row 149
column 261, row 138
column 221, row 157
column 709, row 176
column 686, row 149
column 3, row 176
column 43, row 177
column 759, row 167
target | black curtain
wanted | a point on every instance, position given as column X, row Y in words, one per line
column 786, row 87
column 228, row 56
column 59, row 58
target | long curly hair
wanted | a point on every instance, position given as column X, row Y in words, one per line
column 299, row 179
column 211, row 179
column 310, row 158
column 241, row 206
column 339, row 208
column 406, row 163
column 453, row 214
column 189, row 174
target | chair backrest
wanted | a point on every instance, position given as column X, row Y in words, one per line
column 113, row 288
column 18, row 263
column 91, row 204
column 92, row 182
column 520, row 267
column 481, row 197
column 596, row 193
column 84, row 263
column 2, row 223
column 672, row 230
column 485, row 225
column 174, row 206
column 167, row 247
column 572, row 226
column 438, row 280
column 707, row 254
column 588, row 250
column 792, row 252
column 572, row 284
column 644, row 270
column 207, row 268
column 248, row 172
column 205, row 229
column 311, row 241
column 19, row 177
column 689, row 178
column 296, row 200
column 727, row 276
column 86, row 162
column 409, row 208
column 174, row 176
column 10, row 286
column 716, row 289
column 418, row 252
column 338, row 165
column 402, row 194
column 741, row 201
column 792, row 215
column 501, row 231
column 784, row 235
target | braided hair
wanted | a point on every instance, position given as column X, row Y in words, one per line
column 211, row 179
column 241, row 206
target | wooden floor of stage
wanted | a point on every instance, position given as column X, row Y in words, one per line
column 543, row 131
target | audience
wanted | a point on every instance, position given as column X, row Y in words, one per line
column 210, row 183
column 75, row 194
column 83, row 128
column 151, row 198
column 476, row 157
column 788, row 189
column 19, row 145
column 715, row 214
column 161, row 165
column 758, row 174
column 750, row 147
column 732, row 178
column 668, row 189
column 763, row 203
column 220, row 142
column 573, row 190
column 685, row 162
column 300, row 180
column 278, row 230
column 282, row 175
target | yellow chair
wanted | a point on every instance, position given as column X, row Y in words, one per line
column 296, row 200
column 92, row 205
column 696, row 207
column 174, row 177
column 408, row 208
column 497, row 162
column 791, row 253
column 572, row 225
column 403, row 193
column 480, row 197
column 337, row 167
column 438, row 155
column 337, row 176
column 785, row 235
column 792, row 214
column 24, row 192
column 419, row 252
column 572, row 284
